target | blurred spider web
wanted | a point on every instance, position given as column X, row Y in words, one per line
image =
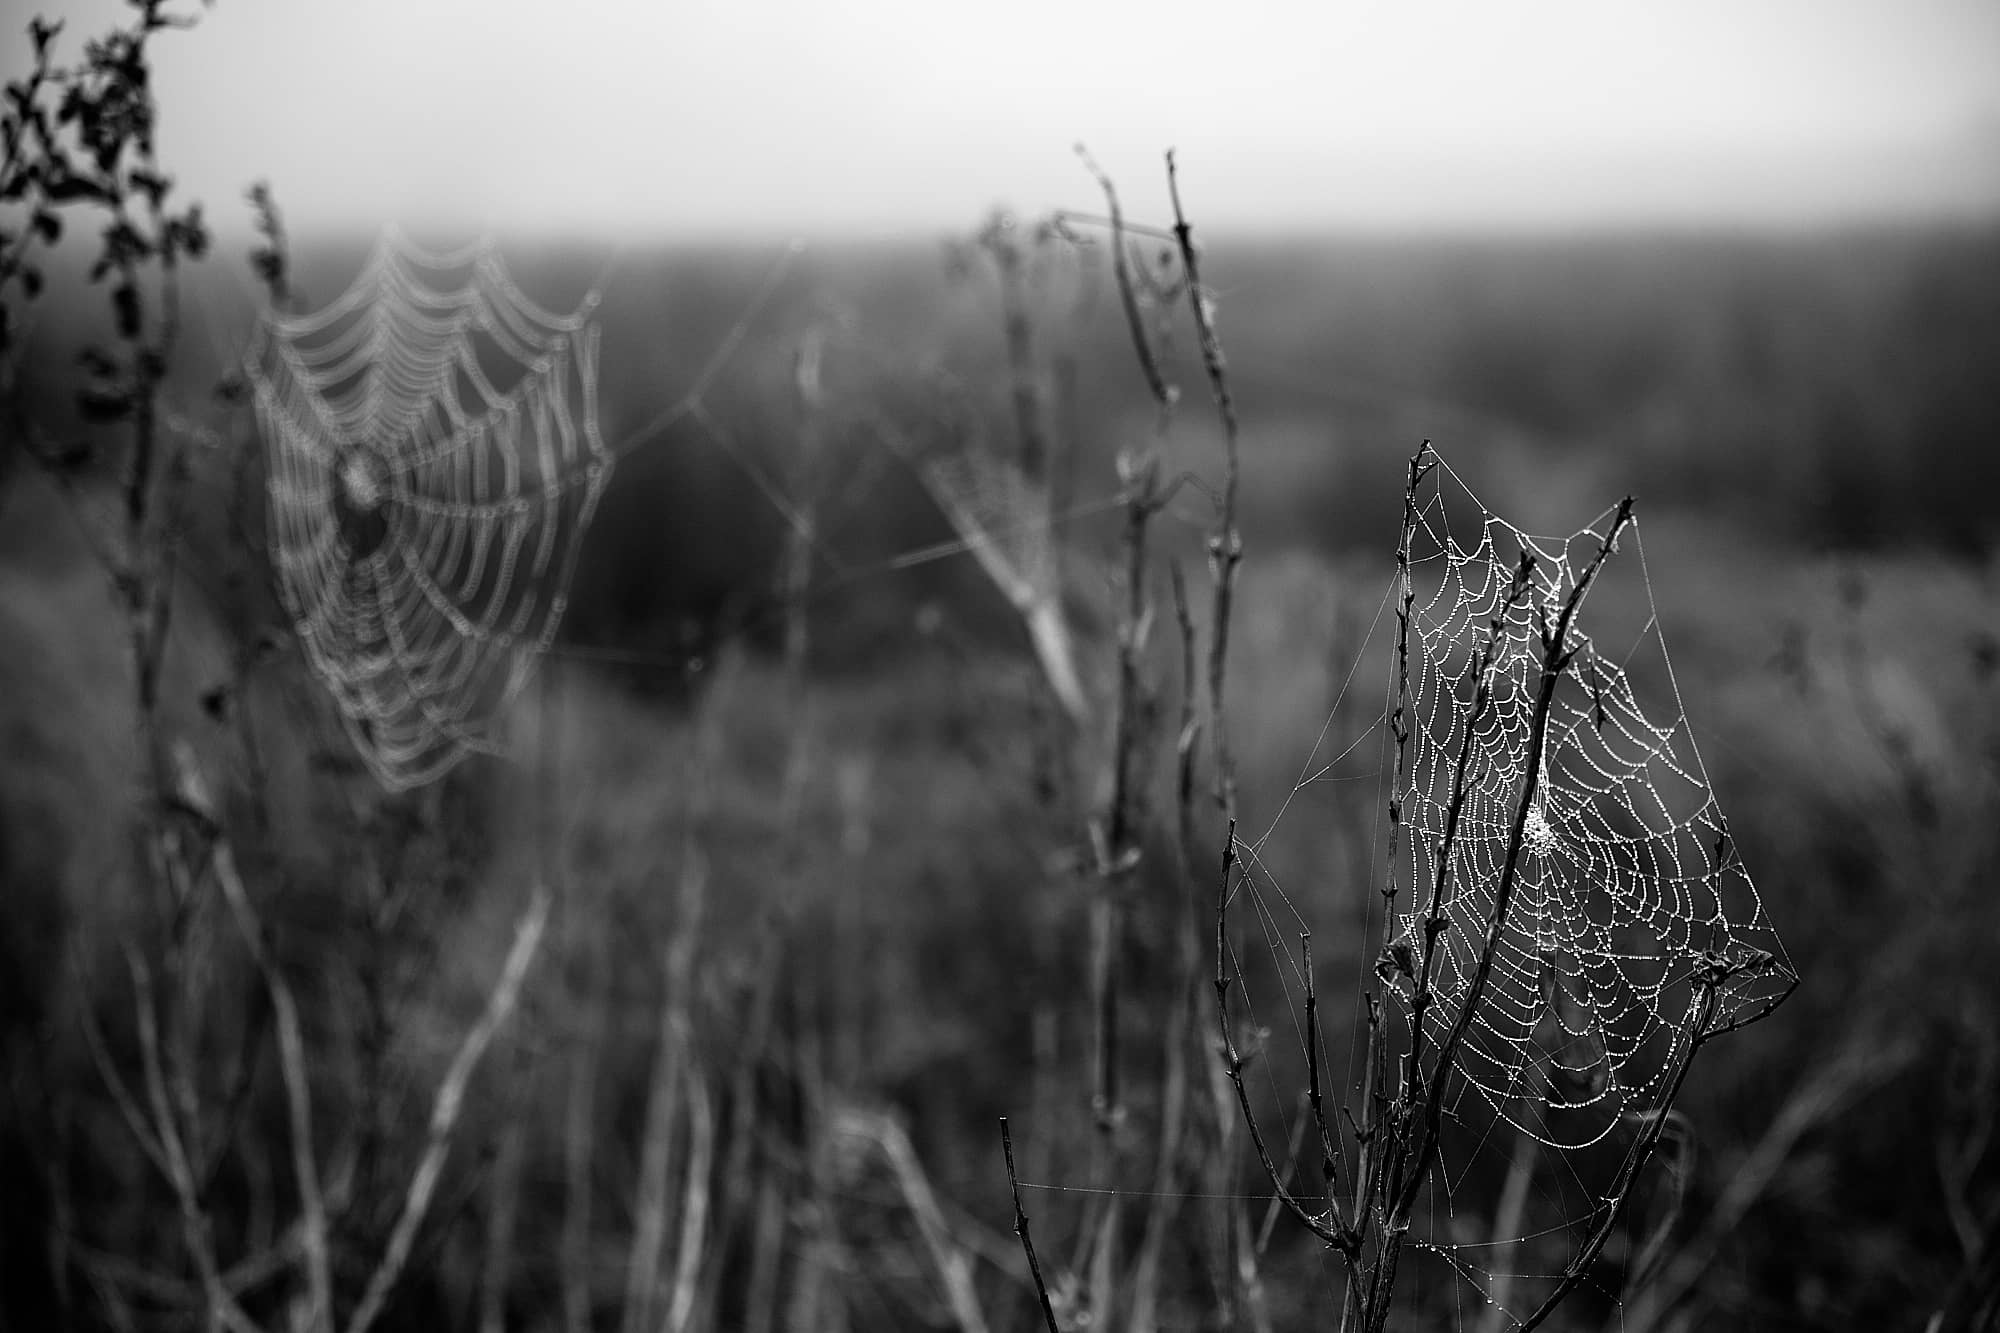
column 1003, row 516
column 433, row 462
column 1633, row 932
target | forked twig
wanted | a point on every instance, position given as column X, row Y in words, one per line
column 195, row 1226
column 1330, row 1226
column 1128, row 297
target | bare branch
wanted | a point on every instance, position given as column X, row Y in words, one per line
column 1225, row 547
column 1163, row 393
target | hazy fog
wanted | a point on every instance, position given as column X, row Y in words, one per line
column 777, row 116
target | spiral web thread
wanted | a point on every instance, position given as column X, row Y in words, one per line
column 1634, row 933
column 433, row 463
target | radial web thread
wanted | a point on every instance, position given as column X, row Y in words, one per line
column 433, row 463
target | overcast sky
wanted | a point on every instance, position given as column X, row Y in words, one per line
column 773, row 117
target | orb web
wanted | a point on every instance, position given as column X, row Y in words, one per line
column 1627, row 891
column 1631, row 934
column 433, row 462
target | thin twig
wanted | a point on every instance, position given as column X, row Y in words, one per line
column 951, row 1259
column 1225, row 547
column 498, row 1261
column 196, row 1227
column 1329, row 1152
column 298, row 1092
column 1128, row 298
column 1021, row 1230
column 694, row 1206
column 445, row 1110
column 1331, row 1226
column 673, row 1040
column 1370, row 1140
column 121, row 1095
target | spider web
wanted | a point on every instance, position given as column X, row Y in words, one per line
column 1627, row 888
column 1003, row 516
column 434, row 460
column 1632, row 932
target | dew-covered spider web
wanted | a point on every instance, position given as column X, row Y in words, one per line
column 1004, row 518
column 433, row 462
column 1543, row 815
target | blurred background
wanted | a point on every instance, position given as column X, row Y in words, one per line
column 818, row 828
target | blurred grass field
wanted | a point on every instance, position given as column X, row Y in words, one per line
column 1809, row 425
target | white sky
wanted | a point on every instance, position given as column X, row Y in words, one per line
column 773, row 117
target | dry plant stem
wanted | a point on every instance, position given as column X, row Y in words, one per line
column 762, row 1293
column 1225, row 548
column 1612, row 1205
column 445, row 1109
column 673, row 1047
column 1118, row 854
column 1119, row 850
column 951, row 1260
column 694, row 1206
column 1142, row 502
column 196, row 1231
column 498, row 1262
column 999, row 242
column 1174, row 1091
column 1128, row 297
column 256, row 782
column 1274, row 1209
column 1225, row 555
column 745, row 1182
column 1331, row 1226
column 1660, row 1238
column 1187, row 737
column 1329, row 1151
column 1021, row 1230
column 1249, row 1280
column 579, row 1112
column 798, row 577
column 1864, row 1063
column 812, row 1286
column 1065, row 433
column 121, row 1095
column 1373, row 1095
column 298, row 1090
